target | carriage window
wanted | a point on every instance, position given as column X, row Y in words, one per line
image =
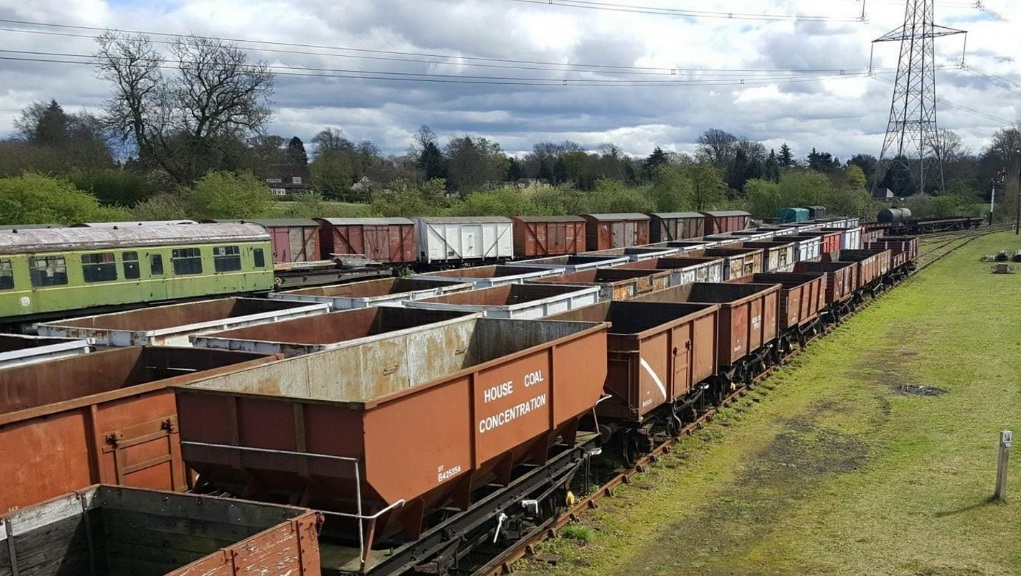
column 99, row 267
column 156, row 264
column 48, row 271
column 131, row 269
column 6, row 275
column 227, row 258
column 260, row 258
column 186, row 261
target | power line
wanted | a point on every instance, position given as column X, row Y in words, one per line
column 415, row 57
column 676, row 12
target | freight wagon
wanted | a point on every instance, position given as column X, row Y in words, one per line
column 390, row 440
column 576, row 262
column 488, row 276
column 455, row 242
column 543, row 236
column 19, row 350
column 371, row 292
column 107, row 416
column 519, row 301
column 118, row 531
column 683, row 269
column 724, row 221
column 605, row 231
column 386, row 240
column 667, row 226
column 292, row 239
column 615, row 283
column 172, row 325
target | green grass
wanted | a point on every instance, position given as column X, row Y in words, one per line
column 838, row 470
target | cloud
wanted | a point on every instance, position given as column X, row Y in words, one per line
column 638, row 80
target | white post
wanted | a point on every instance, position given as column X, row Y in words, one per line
column 1001, row 469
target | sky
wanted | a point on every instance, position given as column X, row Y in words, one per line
column 635, row 73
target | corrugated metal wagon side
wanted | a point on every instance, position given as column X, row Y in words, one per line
column 605, row 231
column 390, row 436
column 119, row 531
column 106, row 417
column 386, row 240
column 541, row 236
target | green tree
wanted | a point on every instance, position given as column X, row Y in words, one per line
column 762, row 198
column 615, row 196
column 708, row 188
column 803, row 188
column 671, row 189
column 786, row 157
column 855, row 177
column 296, row 155
column 37, row 199
column 161, row 207
column 113, row 186
column 227, row 195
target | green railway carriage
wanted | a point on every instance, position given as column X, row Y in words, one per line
column 47, row 273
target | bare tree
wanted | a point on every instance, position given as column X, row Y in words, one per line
column 948, row 146
column 718, row 146
column 187, row 112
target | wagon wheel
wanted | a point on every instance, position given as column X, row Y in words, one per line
column 673, row 424
column 631, row 450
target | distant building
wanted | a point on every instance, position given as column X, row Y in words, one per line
column 532, row 183
column 288, row 180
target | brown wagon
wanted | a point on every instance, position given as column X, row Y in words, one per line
column 802, row 299
column 615, row 283
column 386, row 240
column 737, row 262
column 540, row 236
column 841, row 285
column 118, row 531
column 658, row 354
column 102, row 417
column 748, row 321
column 393, row 438
column 777, row 255
column 667, row 226
column 603, row 231
column 724, row 221
column 683, row 269
column 873, row 266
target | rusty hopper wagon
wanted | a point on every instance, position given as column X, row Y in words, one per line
column 515, row 300
column 117, row 531
column 383, row 440
column 576, row 262
column 737, row 262
column 616, row 283
column 802, row 300
column 658, row 354
column 748, row 322
column 635, row 253
column 18, row 350
column 107, row 416
column 841, row 285
column 873, row 266
column 327, row 331
column 370, row 292
column 489, row 276
column 683, row 269
column 777, row 256
column 172, row 325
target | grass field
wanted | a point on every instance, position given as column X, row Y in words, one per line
column 873, row 453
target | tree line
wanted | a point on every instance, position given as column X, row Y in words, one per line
column 184, row 135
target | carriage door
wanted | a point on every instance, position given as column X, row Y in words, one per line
column 281, row 242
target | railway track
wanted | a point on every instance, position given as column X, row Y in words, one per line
column 933, row 250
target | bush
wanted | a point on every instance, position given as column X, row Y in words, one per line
column 161, row 207
column 226, row 195
column 114, row 187
column 36, row 199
